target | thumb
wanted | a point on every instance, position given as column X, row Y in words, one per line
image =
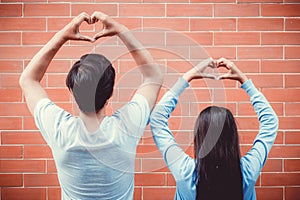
column 86, row 38
column 224, row 76
column 102, row 33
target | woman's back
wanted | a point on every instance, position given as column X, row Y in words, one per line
column 217, row 172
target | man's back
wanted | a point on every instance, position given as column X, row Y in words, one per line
column 97, row 165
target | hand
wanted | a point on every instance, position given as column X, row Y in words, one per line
column 110, row 26
column 71, row 30
column 233, row 71
column 198, row 71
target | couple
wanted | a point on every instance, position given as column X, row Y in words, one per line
column 95, row 153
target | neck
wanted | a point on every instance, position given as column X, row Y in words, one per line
column 92, row 121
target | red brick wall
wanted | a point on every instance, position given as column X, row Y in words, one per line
column 263, row 39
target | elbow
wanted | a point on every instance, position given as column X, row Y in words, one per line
column 22, row 81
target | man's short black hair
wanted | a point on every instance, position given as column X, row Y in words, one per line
column 91, row 80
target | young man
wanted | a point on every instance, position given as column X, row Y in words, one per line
column 94, row 153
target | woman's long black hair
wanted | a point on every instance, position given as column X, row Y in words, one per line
column 217, row 155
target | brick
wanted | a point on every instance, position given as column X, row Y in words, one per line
column 34, row 38
column 23, row 193
column 47, row 9
column 54, row 193
column 10, row 123
column 291, row 165
column 51, row 168
column 287, row 10
column 247, row 123
column 246, row 109
column 268, row 81
column 291, row 52
column 10, row 10
column 189, row 10
column 29, row 123
column 37, row 180
column 236, row 38
column 19, row 52
column 247, row 137
column 260, row 24
column 57, row 80
column 178, row 24
column 292, row 193
column 280, row 66
column 22, row 137
column 170, row 180
column 90, row 8
column 73, row 52
column 259, row 1
column 233, row 10
column 266, row 193
column 55, row 24
column 58, row 94
column 11, row 180
column 22, row 24
column 157, row 179
column 214, row 52
column 148, row 151
column 292, row 24
column 144, row 10
column 212, row 1
column 280, row 38
column 150, row 37
column 10, row 95
column 165, row 1
column 273, row 165
column 11, row 151
column 260, row 52
column 9, row 80
column 289, row 123
column 248, row 66
column 233, row 95
column 137, row 193
column 158, row 193
column 37, row 151
column 285, row 152
column 291, row 80
column 11, row 66
column 22, row 166
column 292, row 137
column 59, row 66
column 131, row 23
column 278, row 179
column 215, row 24
column 292, row 109
column 153, row 165
column 13, row 38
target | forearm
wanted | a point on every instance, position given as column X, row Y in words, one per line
column 37, row 67
column 267, row 117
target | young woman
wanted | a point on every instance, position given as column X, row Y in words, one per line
column 217, row 171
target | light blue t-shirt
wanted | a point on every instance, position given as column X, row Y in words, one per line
column 97, row 165
column 182, row 166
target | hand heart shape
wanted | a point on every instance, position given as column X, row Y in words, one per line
column 110, row 27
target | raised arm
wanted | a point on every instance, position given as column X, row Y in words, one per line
column 150, row 70
column 35, row 70
column 179, row 163
column 256, row 157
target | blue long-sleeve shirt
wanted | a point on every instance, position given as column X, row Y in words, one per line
column 182, row 166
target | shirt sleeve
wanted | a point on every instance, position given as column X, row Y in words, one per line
column 134, row 117
column 48, row 118
column 180, row 164
column 255, row 159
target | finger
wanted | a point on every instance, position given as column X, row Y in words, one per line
column 224, row 76
column 98, row 16
column 211, row 76
column 100, row 34
column 83, row 17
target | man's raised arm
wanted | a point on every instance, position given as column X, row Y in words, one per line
column 35, row 70
column 152, row 74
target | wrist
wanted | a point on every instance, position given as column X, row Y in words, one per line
column 243, row 79
column 188, row 76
